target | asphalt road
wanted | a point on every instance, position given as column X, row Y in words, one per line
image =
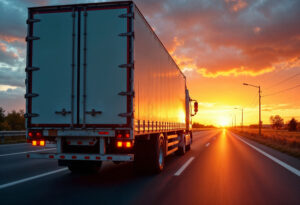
column 220, row 169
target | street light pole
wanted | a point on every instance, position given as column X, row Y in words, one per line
column 242, row 118
column 259, row 110
column 259, row 126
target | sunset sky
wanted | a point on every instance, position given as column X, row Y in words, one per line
column 218, row 44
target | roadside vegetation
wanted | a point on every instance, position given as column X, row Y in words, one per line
column 280, row 136
column 200, row 127
column 12, row 121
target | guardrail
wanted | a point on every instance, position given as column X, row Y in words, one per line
column 4, row 134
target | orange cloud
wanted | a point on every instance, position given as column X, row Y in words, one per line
column 236, row 5
column 230, row 37
column 11, row 39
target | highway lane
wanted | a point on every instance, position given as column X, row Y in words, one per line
column 222, row 170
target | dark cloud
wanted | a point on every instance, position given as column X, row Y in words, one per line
column 12, row 99
column 12, row 77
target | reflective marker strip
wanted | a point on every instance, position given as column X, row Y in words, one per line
column 184, row 166
column 40, row 150
column 288, row 167
column 31, row 178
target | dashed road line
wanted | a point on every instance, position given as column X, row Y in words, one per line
column 184, row 166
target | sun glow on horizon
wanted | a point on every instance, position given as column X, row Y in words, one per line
column 223, row 121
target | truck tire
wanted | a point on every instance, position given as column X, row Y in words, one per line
column 150, row 155
column 181, row 150
column 84, row 167
column 158, row 157
column 188, row 147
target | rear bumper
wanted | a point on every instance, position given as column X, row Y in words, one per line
column 83, row 157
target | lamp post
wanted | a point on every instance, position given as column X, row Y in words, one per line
column 259, row 110
column 242, row 119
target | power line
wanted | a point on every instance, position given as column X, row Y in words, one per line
column 284, row 80
column 281, row 91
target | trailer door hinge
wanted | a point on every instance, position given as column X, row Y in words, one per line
column 32, row 21
column 127, row 34
column 63, row 112
column 127, row 93
column 29, row 115
column 31, row 95
column 130, row 65
column 127, row 15
column 27, row 69
column 32, row 38
column 93, row 112
column 126, row 114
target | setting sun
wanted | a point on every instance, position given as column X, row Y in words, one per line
column 223, row 121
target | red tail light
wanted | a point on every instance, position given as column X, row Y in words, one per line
column 35, row 134
column 42, row 143
column 34, row 143
column 127, row 135
column 38, row 134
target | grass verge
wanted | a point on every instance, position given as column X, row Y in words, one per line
column 283, row 143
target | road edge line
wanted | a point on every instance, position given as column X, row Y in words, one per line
column 184, row 166
column 281, row 163
column 16, row 153
column 2, row 186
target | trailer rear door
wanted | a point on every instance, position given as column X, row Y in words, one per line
column 50, row 87
column 103, row 50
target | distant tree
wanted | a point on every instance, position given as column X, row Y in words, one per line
column 197, row 125
column 2, row 118
column 276, row 121
column 292, row 125
column 15, row 120
column 2, row 114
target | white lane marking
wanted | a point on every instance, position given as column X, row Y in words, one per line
column 40, row 150
column 207, row 144
column 184, row 166
column 11, row 145
column 31, row 178
column 288, row 167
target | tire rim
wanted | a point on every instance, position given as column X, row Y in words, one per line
column 161, row 157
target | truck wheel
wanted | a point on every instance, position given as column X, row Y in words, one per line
column 181, row 150
column 149, row 155
column 188, row 147
column 84, row 168
column 158, row 157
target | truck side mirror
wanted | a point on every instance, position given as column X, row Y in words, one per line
column 195, row 107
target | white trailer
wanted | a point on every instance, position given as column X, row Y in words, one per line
column 100, row 86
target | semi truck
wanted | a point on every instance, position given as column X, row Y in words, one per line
column 101, row 86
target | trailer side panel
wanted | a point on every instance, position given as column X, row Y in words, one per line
column 159, row 83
